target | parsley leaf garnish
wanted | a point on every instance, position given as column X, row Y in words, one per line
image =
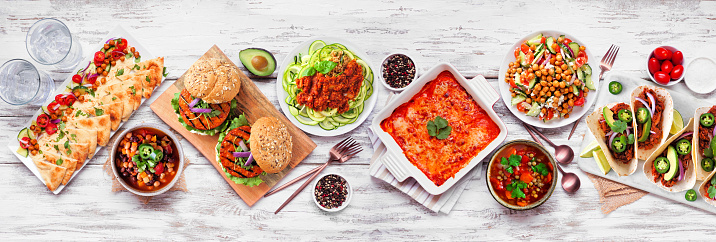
column 120, row 72
column 514, row 160
column 541, row 168
column 712, row 192
column 136, row 67
column 134, row 90
column 74, row 137
column 619, row 126
column 439, row 128
column 164, row 72
column 516, row 188
column 59, row 162
column 98, row 112
column 147, row 79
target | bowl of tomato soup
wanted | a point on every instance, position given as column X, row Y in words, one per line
column 146, row 159
column 521, row 175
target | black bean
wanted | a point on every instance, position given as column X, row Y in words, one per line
column 125, row 174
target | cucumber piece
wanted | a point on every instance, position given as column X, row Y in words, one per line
column 325, row 124
column 351, row 113
column 575, row 90
column 588, row 81
column 22, row 152
column 565, row 51
column 534, row 111
column 25, row 132
column 316, row 45
column 536, row 40
column 342, row 120
column 44, row 110
column 575, row 48
column 532, row 83
column 550, row 42
column 315, row 116
column 81, row 89
column 539, row 55
column 293, row 110
column 523, row 59
column 587, row 69
column 580, row 74
column 518, row 99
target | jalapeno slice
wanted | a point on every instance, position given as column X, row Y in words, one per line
column 619, row 144
column 706, row 120
column 642, row 115
column 707, row 164
column 145, row 151
column 158, row 155
column 690, row 195
column 625, row 115
column 615, row 87
column 683, row 147
column 661, row 164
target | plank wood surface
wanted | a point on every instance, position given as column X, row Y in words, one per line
column 474, row 36
column 253, row 104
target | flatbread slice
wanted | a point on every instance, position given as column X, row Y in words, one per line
column 52, row 174
column 115, row 111
column 118, row 93
column 135, row 89
column 101, row 124
column 84, row 136
column 76, row 151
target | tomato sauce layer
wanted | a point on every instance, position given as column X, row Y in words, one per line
column 472, row 128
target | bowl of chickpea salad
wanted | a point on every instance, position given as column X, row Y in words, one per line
column 146, row 159
column 546, row 79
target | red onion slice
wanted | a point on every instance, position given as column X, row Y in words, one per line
column 714, row 132
column 107, row 42
column 200, row 110
column 684, row 135
column 241, row 154
column 250, row 160
column 611, row 139
column 653, row 103
column 645, row 105
column 194, row 102
column 570, row 51
column 243, row 146
column 652, row 132
column 55, row 121
column 681, row 171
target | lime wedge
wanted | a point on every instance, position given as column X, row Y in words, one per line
column 601, row 161
column 587, row 151
column 678, row 123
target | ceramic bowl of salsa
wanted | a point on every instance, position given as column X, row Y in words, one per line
column 521, row 175
column 146, row 159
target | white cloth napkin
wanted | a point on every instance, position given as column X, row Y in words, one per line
column 443, row 203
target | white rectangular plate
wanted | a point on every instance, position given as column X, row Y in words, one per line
column 684, row 103
column 89, row 55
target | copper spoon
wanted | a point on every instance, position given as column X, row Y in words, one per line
column 570, row 181
column 563, row 153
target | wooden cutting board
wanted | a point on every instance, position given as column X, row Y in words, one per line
column 254, row 105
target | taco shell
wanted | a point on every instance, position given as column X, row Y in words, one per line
column 689, row 177
column 622, row 169
column 666, row 119
column 701, row 175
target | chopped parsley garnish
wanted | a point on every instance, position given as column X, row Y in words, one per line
column 619, row 126
column 114, row 98
column 541, row 168
column 136, row 67
column 59, row 162
column 439, row 128
column 147, row 79
column 120, row 72
column 98, row 112
column 74, row 137
column 516, row 188
column 509, row 163
column 164, row 72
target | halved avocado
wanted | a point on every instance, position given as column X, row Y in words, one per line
column 258, row 61
column 673, row 163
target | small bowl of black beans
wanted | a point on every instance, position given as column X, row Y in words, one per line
column 332, row 193
column 397, row 71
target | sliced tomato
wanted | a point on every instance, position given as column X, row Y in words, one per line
column 77, row 79
column 53, row 106
column 520, row 107
column 524, row 48
column 51, row 128
column 120, row 44
column 543, row 40
column 517, row 53
column 69, row 100
column 98, row 57
column 550, row 114
column 116, row 54
column 43, row 120
column 92, row 79
column 512, row 83
column 579, row 102
column 58, row 98
column 566, row 41
column 25, row 142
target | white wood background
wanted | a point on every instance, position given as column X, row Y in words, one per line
column 472, row 35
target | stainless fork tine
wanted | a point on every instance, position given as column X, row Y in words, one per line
column 614, row 56
column 604, row 58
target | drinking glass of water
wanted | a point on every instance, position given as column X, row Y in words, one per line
column 50, row 42
column 21, row 83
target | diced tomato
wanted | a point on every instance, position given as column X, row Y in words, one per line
column 580, row 61
column 550, row 114
column 526, row 177
column 25, row 142
column 525, row 159
column 523, row 79
column 508, row 194
column 51, row 128
column 583, row 54
column 43, row 120
column 512, row 83
column 521, row 203
column 579, row 102
column 496, row 184
column 520, row 152
column 543, row 40
column 566, row 41
column 517, row 53
column 520, row 107
column 548, row 179
column 159, row 168
column 524, row 48
column 530, row 56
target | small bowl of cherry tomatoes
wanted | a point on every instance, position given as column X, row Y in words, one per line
column 665, row 65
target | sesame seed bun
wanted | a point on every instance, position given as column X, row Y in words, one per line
column 213, row 80
column 271, row 144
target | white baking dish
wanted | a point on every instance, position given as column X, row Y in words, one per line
column 395, row 160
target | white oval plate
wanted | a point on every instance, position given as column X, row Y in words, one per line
column 577, row 112
column 317, row 130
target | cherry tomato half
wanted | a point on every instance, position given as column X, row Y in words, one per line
column 25, row 142
column 666, row 66
column 98, row 57
column 43, row 120
column 677, row 58
column 51, row 128
column 677, row 72
column 53, row 106
column 566, row 41
column 58, row 99
column 92, row 79
column 580, row 61
column 654, row 65
column 583, row 54
column 661, row 53
column 121, row 44
column 77, row 79
column 69, row 100
column 662, row 77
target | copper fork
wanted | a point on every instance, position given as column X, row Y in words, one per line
column 341, row 152
column 605, row 65
column 335, row 147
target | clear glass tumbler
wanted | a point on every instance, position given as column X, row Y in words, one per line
column 49, row 42
column 22, row 83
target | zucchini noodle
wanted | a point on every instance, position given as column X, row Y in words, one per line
column 328, row 119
